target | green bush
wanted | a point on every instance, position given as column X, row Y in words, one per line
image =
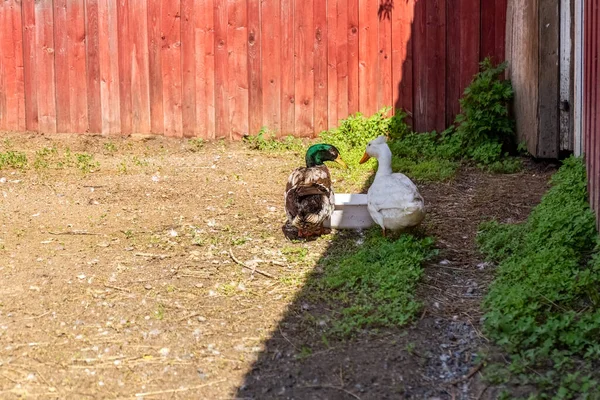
column 484, row 127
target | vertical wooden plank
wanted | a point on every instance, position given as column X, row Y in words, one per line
column 188, row 63
column 61, row 63
column 367, row 50
column 93, row 66
column 29, row 66
column 402, row 56
column 488, row 29
column 342, row 60
column 522, row 56
column 565, row 85
column 435, row 65
column 332, row 78
column 591, row 65
column 140, row 79
column 578, row 131
column 271, row 66
column 45, row 77
column 320, row 65
column 304, row 67
column 171, row 67
column 5, row 49
column 500, row 31
column 384, row 72
column 587, row 62
column 353, row 56
column 288, row 70
column 205, row 69
column 78, row 112
column 222, row 125
column 420, row 67
column 469, row 37
column 157, row 120
column 109, row 67
column 17, row 48
column 238, row 67
column 125, row 54
column 255, row 89
column 594, row 155
column 549, row 140
column 453, row 92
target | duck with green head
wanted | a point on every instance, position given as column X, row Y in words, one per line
column 309, row 197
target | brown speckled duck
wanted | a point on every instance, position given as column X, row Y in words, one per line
column 309, row 197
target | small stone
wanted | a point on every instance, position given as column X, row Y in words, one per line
column 444, row 262
column 201, row 319
column 164, row 351
column 148, row 287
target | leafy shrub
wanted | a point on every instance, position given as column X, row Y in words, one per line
column 543, row 304
column 484, row 128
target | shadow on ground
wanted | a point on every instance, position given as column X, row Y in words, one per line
column 433, row 357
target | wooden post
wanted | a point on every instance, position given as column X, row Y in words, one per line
column 532, row 50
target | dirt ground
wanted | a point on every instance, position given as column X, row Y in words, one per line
column 127, row 282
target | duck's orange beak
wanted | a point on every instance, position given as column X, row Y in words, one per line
column 364, row 158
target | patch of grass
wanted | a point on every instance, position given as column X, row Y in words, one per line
column 83, row 161
column 13, row 159
column 159, row 314
column 139, row 162
column 543, row 306
column 110, row 147
column 267, row 141
column 373, row 284
column 122, row 167
column 195, row 145
column 44, row 157
column 295, row 254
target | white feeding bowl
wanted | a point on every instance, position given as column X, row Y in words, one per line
column 350, row 212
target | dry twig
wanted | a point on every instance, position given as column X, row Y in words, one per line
column 117, row 288
column 288, row 340
column 74, row 233
column 248, row 267
column 333, row 387
column 150, row 255
column 468, row 376
column 178, row 390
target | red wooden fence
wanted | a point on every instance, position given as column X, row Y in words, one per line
column 216, row 68
column 591, row 101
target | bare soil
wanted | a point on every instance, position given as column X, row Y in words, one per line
column 127, row 282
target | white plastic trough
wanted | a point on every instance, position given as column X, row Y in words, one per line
column 350, row 212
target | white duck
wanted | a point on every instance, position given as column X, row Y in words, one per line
column 393, row 199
